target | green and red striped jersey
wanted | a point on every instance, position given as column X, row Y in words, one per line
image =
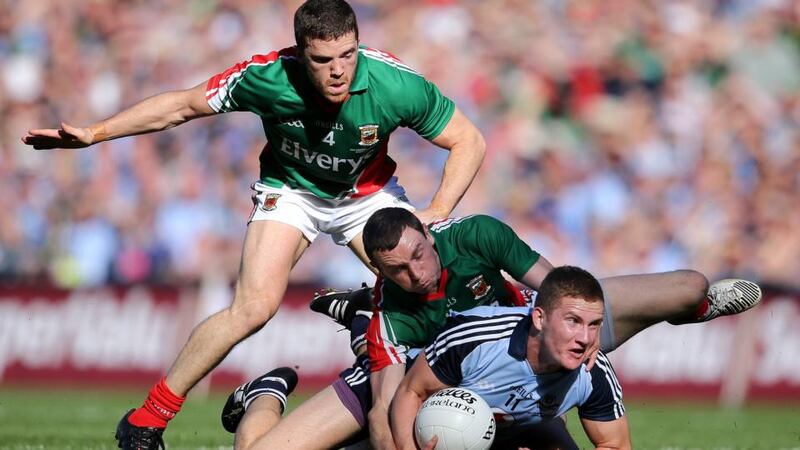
column 331, row 152
column 473, row 252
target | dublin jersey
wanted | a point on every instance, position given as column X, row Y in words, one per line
column 473, row 251
column 330, row 151
column 485, row 350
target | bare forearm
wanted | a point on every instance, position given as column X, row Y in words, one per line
column 160, row 112
column 380, row 434
column 460, row 169
column 404, row 408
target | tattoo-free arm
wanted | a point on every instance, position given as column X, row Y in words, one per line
column 419, row 383
column 384, row 384
column 156, row 113
column 467, row 149
column 609, row 435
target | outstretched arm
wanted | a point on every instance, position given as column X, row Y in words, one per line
column 156, row 113
column 467, row 148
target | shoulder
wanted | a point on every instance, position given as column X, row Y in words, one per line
column 604, row 378
column 390, row 79
column 276, row 64
column 477, row 227
column 382, row 64
column 470, row 329
column 452, row 224
column 604, row 399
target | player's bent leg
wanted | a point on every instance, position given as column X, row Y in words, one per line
column 262, row 415
column 321, row 422
column 639, row 301
column 357, row 246
column 277, row 383
column 270, row 251
column 730, row 296
column 256, row 407
column 351, row 309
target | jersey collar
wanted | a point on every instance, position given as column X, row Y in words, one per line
column 439, row 294
column 518, row 343
column 361, row 76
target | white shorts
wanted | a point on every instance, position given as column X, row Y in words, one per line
column 342, row 219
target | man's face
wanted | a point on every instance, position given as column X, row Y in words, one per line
column 569, row 330
column 331, row 65
column 413, row 264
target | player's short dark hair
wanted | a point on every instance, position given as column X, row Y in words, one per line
column 568, row 281
column 384, row 228
column 323, row 19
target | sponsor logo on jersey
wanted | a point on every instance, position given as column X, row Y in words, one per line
column 479, row 287
column 321, row 160
column 270, row 202
column 369, row 134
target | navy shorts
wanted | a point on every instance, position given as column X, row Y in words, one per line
column 354, row 389
column 552, row 434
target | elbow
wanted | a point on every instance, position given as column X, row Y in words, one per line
column 480, row 145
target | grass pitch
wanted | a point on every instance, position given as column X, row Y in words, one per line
column 85, row 419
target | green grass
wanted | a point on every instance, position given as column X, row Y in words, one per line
column 85, row 419
column 696, row 426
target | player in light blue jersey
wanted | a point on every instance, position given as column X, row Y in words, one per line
column 528, row 364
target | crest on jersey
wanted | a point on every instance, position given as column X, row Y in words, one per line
column 478, row 286
column 369, row 134
column 270, row 202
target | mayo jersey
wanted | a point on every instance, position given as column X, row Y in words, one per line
column 312, row 145
column 473, row 252
column 485, row 350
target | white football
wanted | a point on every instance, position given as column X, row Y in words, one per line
column 459, row 417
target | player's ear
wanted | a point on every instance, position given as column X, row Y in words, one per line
column 538, row 317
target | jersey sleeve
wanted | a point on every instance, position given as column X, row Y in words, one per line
column 410, row 99
column 605, row 401
column 253, row 85
column 429, row 111
column 494, row 241
column 382, row 345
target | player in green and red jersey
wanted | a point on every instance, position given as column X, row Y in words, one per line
column 455, row 264
column 328, row 107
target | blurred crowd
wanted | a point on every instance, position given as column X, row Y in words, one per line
column 625, row 136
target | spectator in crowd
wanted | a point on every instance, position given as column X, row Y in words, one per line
column 624, row 134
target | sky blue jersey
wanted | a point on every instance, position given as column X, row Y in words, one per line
column 484, row 349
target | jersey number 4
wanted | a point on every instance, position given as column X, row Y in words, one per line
column 328, row 139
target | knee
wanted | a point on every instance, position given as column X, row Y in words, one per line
column 248, row 315
column 694, row 285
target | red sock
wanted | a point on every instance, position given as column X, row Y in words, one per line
column 159, row 407
column 700, row 312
